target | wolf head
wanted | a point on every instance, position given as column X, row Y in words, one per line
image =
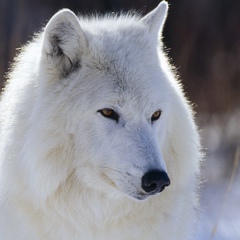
column 104, row 106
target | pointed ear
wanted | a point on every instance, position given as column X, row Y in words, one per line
column 63, row 43
column 156, row 18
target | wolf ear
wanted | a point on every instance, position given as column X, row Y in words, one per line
column 156, row 18
column 63, row 43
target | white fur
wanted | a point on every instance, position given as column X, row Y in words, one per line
column 67, row 172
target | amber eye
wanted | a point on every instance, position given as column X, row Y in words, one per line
column 156, row 115
column 109, row 113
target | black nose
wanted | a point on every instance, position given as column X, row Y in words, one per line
column 155, row 181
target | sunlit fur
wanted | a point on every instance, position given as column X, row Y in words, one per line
column 68, row 172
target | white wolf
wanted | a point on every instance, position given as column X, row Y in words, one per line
column 94, row 126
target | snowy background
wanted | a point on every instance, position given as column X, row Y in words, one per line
column 220, row 194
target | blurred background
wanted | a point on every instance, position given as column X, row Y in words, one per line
column 203, row 42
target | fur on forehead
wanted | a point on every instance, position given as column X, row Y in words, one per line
column 112, row 37
column 67, row 39
column 130, row 22
column 115, row 45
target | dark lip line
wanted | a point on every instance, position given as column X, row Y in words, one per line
column 141, row 196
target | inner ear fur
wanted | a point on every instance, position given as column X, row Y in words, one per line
column 63, row 44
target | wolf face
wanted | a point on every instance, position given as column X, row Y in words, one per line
column 124, row 138
column 107, row 86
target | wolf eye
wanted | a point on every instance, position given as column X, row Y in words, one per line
column 109, row 113
column 156, row 115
